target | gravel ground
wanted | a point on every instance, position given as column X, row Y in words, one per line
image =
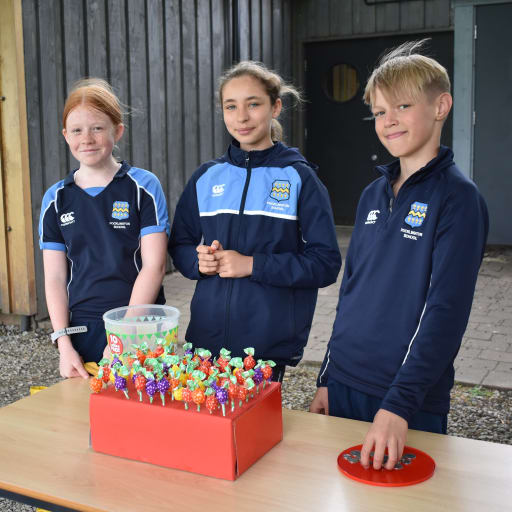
column 28, row 359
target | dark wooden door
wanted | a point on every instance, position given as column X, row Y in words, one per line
column 492, row 168
column 340, row 134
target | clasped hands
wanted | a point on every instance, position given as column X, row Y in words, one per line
column 213, row 259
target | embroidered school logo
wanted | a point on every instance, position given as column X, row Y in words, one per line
column 417, row 214
column 372, row 217
column 280, row 190
column 120, row 210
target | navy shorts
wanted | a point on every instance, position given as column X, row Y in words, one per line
column 346, row 402
column 90, row 344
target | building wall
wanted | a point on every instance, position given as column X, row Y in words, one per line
column 316, row 20
column 163, row 58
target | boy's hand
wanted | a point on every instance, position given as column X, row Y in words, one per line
column 208, row 265
column 320, row 402
column 70, row 363
column 388, row 430
column 233, row 264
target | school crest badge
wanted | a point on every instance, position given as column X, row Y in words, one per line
column 416, row 214
column 120, row 210
column 280, row 190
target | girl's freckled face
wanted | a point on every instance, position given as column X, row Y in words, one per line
column 91, row 136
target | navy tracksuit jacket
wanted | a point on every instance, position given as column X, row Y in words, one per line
column 408, row 286
column 267, row 204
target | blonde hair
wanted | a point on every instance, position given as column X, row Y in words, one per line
column 404, row 70
column 96, row 93
column 274, row 86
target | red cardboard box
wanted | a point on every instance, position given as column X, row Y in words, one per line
column 209, row 444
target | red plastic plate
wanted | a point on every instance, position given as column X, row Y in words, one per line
column 414, row 467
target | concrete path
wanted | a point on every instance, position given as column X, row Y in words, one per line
column 485, row 357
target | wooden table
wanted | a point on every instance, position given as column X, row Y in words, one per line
column 45, row 456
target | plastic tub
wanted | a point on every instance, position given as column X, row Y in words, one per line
column 145, row 323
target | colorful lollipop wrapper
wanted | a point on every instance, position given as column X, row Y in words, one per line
column 150, row 386
column 249, row 361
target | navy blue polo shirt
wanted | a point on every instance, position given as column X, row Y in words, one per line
column 101, row 235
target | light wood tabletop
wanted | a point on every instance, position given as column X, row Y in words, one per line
column 45, row 455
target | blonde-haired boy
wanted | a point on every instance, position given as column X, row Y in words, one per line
column 411, row 268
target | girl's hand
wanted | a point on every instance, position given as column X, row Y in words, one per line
column 70, row 363
column 233, row 264
column 208, row 265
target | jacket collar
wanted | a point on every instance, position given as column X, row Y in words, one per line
column 238, row 156
column 443, row 160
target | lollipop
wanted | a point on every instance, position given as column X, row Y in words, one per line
column 211, row 400
column 232, row 391
column 199, row 377
column 96, row 383
column 238, row 365
column 225, row 377
column 249, row 375
column 173, row 362
column 163, row 386
column 140, row 384
column 214, row 372
column 257, row 378
column 224, row 358
column 120, row 381
column 106, row 370
column 243, row 391
column 178, row 394
column 249, row 362
column 128, row 358
column 174, row 382
column 136, row 369
column 159, row 347
column 186, row 394
column 222, row 397
column 141, row 351
column 151, row 364
column 151, row 386
column 187, row 356
column 205, row 363
column 198, row 396
column 266, row 369
column 115, row 360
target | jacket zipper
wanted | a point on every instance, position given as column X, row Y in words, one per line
column 240, row 214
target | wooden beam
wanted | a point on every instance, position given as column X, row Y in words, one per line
column 4, row 275
column 18, row 250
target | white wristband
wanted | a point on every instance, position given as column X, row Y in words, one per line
column 67, row 330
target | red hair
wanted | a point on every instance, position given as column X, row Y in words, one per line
column 95, row 93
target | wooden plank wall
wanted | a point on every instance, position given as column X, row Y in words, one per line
column 316, row 20
column 17, row 286
column 265, row 35
column 163, row 58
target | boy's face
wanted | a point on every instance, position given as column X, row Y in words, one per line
column 410, row 129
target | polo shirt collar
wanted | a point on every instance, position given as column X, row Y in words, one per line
column 125, row 167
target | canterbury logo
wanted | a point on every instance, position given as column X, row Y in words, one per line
column 218, row 189
column 372, row 216
column 66, row 218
